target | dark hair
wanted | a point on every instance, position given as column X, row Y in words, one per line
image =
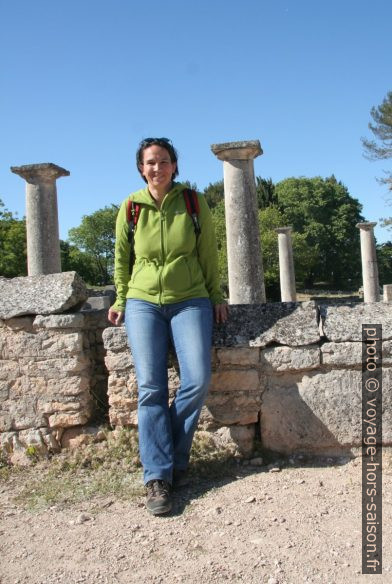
column 164, row 143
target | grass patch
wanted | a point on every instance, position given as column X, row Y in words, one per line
column 208, row 460
column 109, row 468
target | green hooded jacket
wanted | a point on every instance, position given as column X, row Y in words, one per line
column 171, row 264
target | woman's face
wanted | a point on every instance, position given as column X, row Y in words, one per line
column 157, row 168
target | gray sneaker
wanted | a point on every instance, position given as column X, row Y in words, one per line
column 158, row 500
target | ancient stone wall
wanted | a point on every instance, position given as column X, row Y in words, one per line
column 52, row 378
column 287, row 374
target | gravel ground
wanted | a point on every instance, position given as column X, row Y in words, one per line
column 259, row 525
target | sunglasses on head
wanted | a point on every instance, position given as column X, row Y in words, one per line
column 147, row 141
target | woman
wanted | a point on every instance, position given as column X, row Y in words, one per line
column 171, row 296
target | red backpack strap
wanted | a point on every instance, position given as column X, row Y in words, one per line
column 192, row 206
column 133, row 212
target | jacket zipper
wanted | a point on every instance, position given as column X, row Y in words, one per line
column 163, row 254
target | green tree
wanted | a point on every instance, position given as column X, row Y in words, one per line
column 218, row 217
column 384, row 260
column 73, row 259
column 325, row 213
column 269, row 219
column 13, row 256
column 380, row 148
column 265, row 190
column 214, row 193
column 95, row 236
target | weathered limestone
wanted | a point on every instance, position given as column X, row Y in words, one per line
column 344, row 323
column 45, row 294
column 50, row 383
column 42, row 227
column 304, row 391
column 245, row 265
column 272, row 368
column 290, row 359
column 292, row 323
column 52, row 378
column 239, row 440
column 318, row 412
column 371, row 286
column 286, row 265
column 387, row 289
column 346, row 354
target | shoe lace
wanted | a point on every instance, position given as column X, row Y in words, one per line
column 158, row 488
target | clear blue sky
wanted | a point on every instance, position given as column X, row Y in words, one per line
column 82, row 81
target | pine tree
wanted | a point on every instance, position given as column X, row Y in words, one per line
column 381, row 147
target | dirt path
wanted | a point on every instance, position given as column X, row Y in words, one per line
column 296, row 525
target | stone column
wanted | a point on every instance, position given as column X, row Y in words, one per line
column 286, row 265
column 42, row 226
column 387, row 289
column 246, row 277
column 371, row 286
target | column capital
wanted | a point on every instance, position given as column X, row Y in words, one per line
column 245, row 150
column 46, row 171
column 287, row 229
column 366, row 225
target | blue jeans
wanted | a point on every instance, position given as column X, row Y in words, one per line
column 166, row 433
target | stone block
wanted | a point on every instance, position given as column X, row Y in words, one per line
column 20, row 343
column 115, row 339
column 319, row 413
column 65, row 420
column 123, row 418
column 238, row 356
column 59, row 321
column 77, row 436
column 344, row 323
column 5, row 385
column 54, row 368
column 257, row 325
column 33, row 438
column 238, row 439
column 119, row 361
column 6, row 442
column 64, row 404
column 121, row 402
column 62, row 344
column 232, row 408
column 341, row 354
column 235, row 380
column 44, row 294
column 290, row 359
column 122, row 382
column 387, row 290
column 8, row 370
column 5, row 421
column 387, row 353
column 68, row 386
column 24, row 413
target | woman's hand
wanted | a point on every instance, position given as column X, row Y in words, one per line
column 115, row 316
column 221, row 313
